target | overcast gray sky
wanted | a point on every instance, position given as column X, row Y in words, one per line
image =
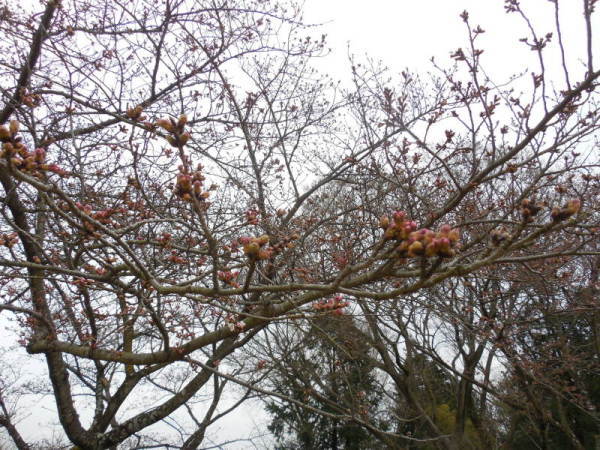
column 407, row 33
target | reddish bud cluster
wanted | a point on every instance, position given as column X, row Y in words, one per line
column 261, row 364
column 176, row 259
column 165, row 239
column 136, row 113
column 9, row 240
column 29, row 99
column 398, row 229
column 421, row 242
column 82, row 282
column 529, row 209
column 189, row 186
column 229, row 277
column 251, row 216
column 237, row 327
column 103, row 216
column 22, row 159
column 571, row 207
column 255, row 248
column 428, row 243
column 333, row 305
column 235, row 324
column 177, row 137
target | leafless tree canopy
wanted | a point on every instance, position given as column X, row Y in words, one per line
column 186, row 203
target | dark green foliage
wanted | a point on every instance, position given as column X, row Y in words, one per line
column 562, row 385
column 330, row 370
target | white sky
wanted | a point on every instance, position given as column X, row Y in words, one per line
column 407, row 33
column 402, row 33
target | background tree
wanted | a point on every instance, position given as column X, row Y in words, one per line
column 553, row 363
column 329, row 369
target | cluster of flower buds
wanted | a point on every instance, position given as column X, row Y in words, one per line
column 82, row 282
column 229, row 278
column 499, row 235
column 398, row 228
column 31, row 100
column 429, row 243
column 135, row 113
column 529, row 209
column 261, row 364
column 177, row 137
column 237, row 327
column 189, row 185
column 256, row 248
column 421, row 242
column 285, row 242
column 571, row 207
column 9, row 240
column 334, row 305
column 165, row 239
column 251, row 216
column 175, row 258
column 103, row 216
column 234, row 323
column 16, row 152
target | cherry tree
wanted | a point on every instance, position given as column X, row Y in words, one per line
column 179, row 178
